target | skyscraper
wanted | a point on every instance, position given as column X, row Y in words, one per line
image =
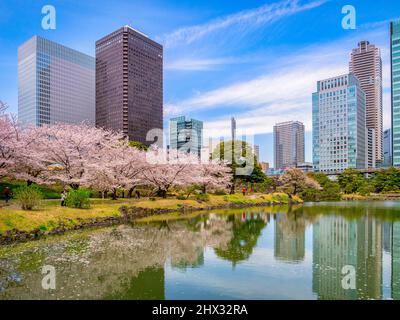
column 56, row 84
column 387, row 147
column 233, row 128
column 129, row 84
column 366, row 65
column 370, row 154
column 257, row 152
column 288, row 144
column 339, row 126
column 395, row 67
column 186, row 135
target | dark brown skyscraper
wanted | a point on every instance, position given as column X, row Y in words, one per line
column 129, row 83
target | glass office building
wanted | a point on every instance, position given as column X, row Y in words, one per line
column 387, row 147
column 56, row 84
column 395, row 63
column 186, row 135
column 129, row 84
column 339, row 125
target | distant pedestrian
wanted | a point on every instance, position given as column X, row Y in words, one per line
column 244, row 191
column 7, row 194
column 137, row 194
column 63, row 197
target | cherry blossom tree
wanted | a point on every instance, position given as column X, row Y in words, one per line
column 117, row 167
column 294, row 181
column 3, row 107
column 8, row 138
column 69, row 152
column 28, row 162
column 214, row 174
column 165, row 170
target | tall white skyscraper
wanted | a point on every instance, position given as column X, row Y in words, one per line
column 339, row 126
column 56, row 84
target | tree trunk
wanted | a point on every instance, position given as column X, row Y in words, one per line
column 290, row 202
column 74, row 186
column 114, row 194
column 162, row 193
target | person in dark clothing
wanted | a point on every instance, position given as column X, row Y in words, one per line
column 7, row 194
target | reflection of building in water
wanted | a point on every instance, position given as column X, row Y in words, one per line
column 396, row 261
column 338, row 242
column 289, row 238
column 387, row 236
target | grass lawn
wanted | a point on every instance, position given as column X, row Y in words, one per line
column 51, row 214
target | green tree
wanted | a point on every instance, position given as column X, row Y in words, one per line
column 330, row 189
column 241, row 158
column 138, row 145
column 387, row 180
column 351, row 181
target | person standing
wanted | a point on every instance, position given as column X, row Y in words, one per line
column 244, row 191
column 7, row 194
column 63, row 197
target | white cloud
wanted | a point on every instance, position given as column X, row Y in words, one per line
column 284, row 92
column 244, row 20
column 194, row 64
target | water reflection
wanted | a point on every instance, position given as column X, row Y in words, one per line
column 268, row 253
column 290, row 238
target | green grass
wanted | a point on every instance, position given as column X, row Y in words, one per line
column 49, row 192
column 51, row 215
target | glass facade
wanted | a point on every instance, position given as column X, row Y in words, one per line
column 56, row 84
column 186, row 135
column 129, row 84
column 339, row 125
column 395, row 59
column 387, row 147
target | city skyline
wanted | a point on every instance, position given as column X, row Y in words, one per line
column 200, row 78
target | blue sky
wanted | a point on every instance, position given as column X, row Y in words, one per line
column 256, row 60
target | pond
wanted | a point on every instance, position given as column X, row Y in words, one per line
column 316, row 251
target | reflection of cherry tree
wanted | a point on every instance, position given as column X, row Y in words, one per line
column 109, row 263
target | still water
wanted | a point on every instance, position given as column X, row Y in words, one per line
column 261, row 253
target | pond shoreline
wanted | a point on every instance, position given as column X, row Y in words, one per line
column 127, row 214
